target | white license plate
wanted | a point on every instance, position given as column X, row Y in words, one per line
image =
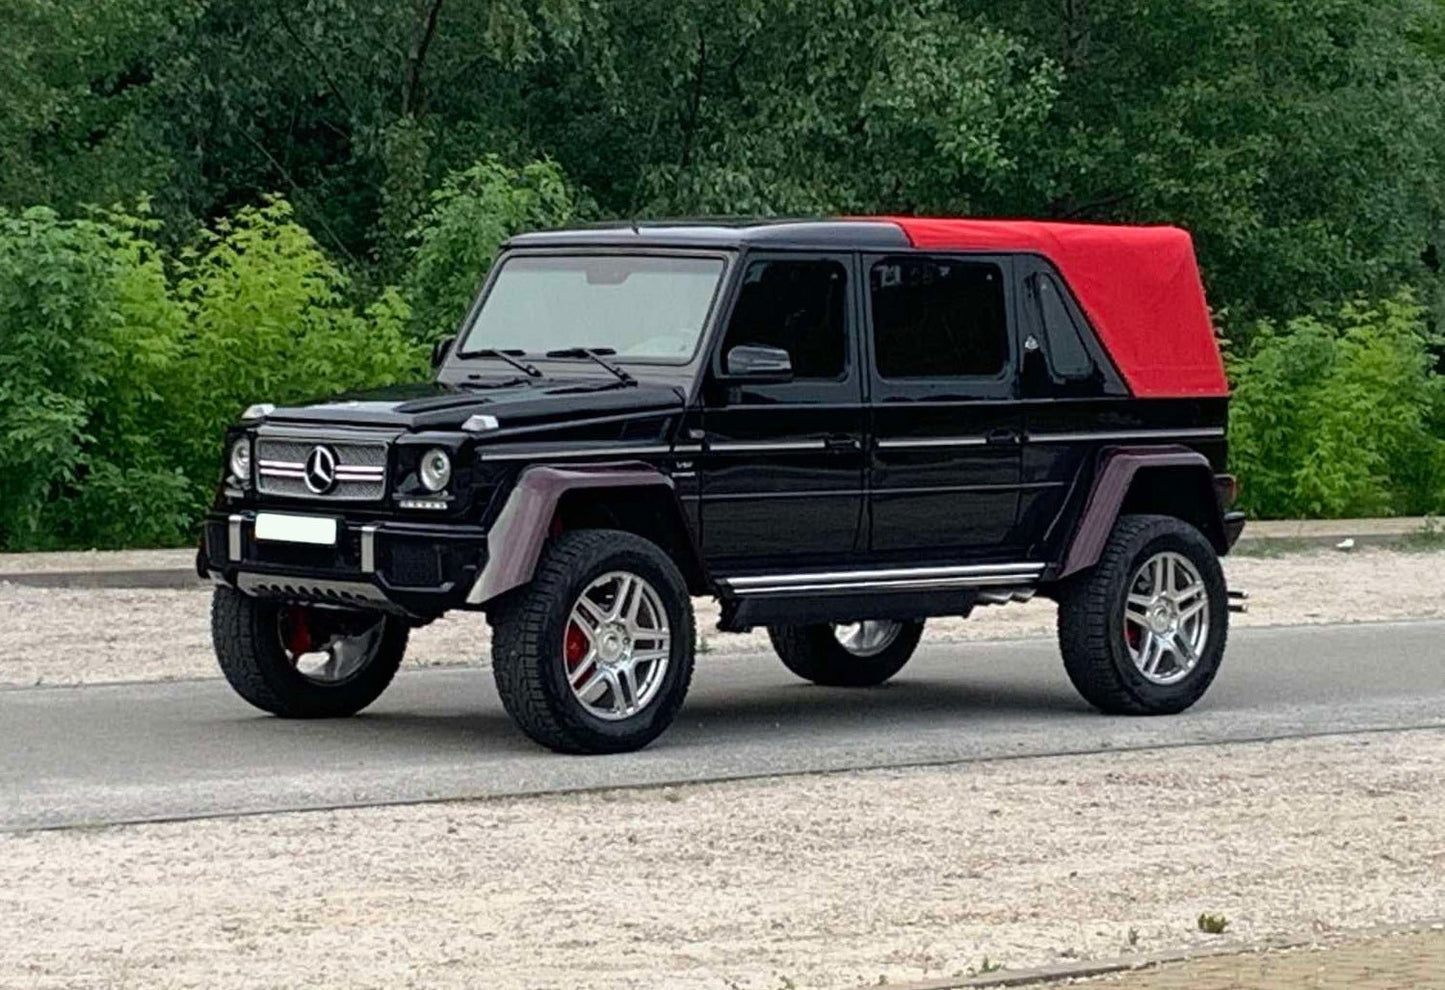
column 315, row 530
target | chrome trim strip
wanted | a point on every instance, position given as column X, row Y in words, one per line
column 1160, row 434
column 487, row 454
column 966, row 571
column 344, row 472
column 233, row 541
column 919, row 444
column 749, row 446
column 906, row 584
column 368, row 549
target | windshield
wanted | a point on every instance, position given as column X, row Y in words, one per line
column 638, row 306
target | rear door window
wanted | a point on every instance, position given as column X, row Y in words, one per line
column 938, row 318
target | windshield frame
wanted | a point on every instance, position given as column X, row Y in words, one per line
column 728, row 258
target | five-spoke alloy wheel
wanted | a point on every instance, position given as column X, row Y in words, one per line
column 305, row 661
column 1143, row 631
column 595, row 654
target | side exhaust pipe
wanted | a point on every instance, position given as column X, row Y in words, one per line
column 1238, row 600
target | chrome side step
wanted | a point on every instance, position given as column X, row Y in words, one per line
column 888, row 579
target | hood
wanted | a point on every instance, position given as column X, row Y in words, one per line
column 436, row 406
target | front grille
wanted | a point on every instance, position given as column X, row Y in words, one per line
column 360, row 468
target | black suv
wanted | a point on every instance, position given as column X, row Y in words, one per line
column 837, row 428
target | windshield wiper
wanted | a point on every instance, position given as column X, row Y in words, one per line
column 477, row 380
column 595, row 354
column 526, row 368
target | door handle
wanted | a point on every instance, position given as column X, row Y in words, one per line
column 1002, row 438
column 839, row 443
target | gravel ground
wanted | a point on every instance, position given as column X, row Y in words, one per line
column 825, row 881
column 91, row 636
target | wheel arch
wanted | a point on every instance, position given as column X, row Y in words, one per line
column 1168, row 481
column 632, row 496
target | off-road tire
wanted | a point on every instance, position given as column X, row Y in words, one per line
column 244, row 632
column 1091, row 617
column 527, row 635
column 814, row 654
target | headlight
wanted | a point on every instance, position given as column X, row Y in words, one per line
column 241, row 461
column 436, row 470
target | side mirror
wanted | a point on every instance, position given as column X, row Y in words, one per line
column 440, row 350
column 755, row 363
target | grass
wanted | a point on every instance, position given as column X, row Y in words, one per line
column 1213, row 924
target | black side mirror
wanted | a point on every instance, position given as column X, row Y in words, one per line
column 755, row 363
column 440, row 350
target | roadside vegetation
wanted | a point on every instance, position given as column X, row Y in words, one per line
column 206, row 203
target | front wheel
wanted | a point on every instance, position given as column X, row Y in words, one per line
column 855, row 654
column 1143, row 632
column 596, row 654
column 304, row 661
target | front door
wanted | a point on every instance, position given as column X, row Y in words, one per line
column 781, row 464
column 946, row 423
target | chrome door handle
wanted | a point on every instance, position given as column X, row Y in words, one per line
column 842, row 444
column 1002, row 437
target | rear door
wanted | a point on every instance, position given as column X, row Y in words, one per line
column 781, row 465
column 945, row 457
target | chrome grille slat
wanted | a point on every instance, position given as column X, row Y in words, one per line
column 360, row 468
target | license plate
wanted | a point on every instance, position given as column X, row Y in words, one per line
column 274, row 527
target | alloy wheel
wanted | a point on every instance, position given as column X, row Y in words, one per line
column 867, row 638
column 617, row 646
column 1166, row 618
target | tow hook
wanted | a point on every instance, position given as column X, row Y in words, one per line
column 1238, row 600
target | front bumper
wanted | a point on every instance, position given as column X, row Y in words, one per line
column 415, row 569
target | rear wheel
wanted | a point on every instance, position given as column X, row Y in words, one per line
column 1143, row 632
column 304, row 661
column 855, row 654
column 596, row 654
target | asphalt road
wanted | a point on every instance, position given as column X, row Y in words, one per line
column 156, row 751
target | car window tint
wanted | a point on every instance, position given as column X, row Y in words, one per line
column 1068, row 357
column 938, row 318
column 799, row 306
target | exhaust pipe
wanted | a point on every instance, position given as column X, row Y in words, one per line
column 1238, row 600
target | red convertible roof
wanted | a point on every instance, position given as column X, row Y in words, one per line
column 1139, row 286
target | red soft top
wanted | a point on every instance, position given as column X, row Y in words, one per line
column 1139, row 286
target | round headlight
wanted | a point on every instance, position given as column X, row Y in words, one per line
column 241, row 460
column 436, row 470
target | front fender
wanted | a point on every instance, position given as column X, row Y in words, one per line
column 515, row 539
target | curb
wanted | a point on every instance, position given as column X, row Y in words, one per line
column 1068, row 972
column 175, row 569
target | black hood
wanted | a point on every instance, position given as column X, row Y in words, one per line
column 435, row 406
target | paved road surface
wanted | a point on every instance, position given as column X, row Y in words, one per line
column 132, row 752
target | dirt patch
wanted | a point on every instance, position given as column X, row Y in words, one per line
column 805, row 882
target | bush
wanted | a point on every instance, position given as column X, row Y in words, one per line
column 1340, row 418
column 269, row 321
column 117, row 379
column 473, row 212
column 89, row 337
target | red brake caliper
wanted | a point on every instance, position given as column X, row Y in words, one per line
column 298, row 630
column 574, row 646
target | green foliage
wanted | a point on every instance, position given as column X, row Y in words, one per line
column 270, row 321
column 471, row 214
column 1340, row 417
column 116, row 379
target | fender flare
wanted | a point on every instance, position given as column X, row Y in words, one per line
column 1111, row 485
column 515, row 539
